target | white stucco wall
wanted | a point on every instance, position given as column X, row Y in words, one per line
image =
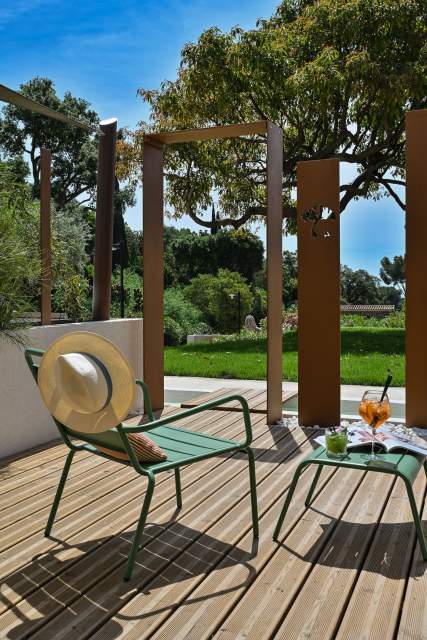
column 24, row 420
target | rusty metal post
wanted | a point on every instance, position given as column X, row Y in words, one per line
column 416, row 268
column 45, row 249
column 104, row 220
column 319, row 343
column 153, row 270
column 274, row 272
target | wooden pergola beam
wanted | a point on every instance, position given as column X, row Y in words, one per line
column 416, row 268
column 104, row 220
column 17, row 99
column 154, row 145
column 209, row 133
column 319, row 340
column 45, row 235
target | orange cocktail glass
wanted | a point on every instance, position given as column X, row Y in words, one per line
column 374, row 409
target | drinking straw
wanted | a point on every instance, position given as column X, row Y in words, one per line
column 386, row 386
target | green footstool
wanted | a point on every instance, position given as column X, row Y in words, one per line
column 404, row 465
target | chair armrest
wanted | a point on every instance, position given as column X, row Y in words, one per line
column 199, row 409
column 148, row 407
column 29, row 353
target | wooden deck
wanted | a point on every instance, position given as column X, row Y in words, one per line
column 256, row 398
column 345, row 568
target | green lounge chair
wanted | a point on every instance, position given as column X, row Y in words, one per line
column 181, row 446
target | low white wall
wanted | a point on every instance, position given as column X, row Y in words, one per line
column 202, row 337
column 24, row 420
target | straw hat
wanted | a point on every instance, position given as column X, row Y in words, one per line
column 86, row 382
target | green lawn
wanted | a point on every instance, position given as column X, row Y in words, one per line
column 367, row 353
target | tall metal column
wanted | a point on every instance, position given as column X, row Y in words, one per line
column 416, row 268
column 153, row 270
column 274, row 272
column 319, row 342
column 104, row 220
column 45, row 248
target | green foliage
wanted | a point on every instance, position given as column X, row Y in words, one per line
column 259, row 306
column 71, row 235
column 181, row 317
column 216, row 297
column 187, row 254
column 19, row 252
column 337, row 76
column 393, row 272
column 358, row 287
column 395, row 320
column 290, row 278
column 74, row 150
column 133, row 293
column 72, row 297
column 174, row 333
column 134, row 245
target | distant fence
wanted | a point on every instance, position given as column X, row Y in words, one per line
column 367, row 310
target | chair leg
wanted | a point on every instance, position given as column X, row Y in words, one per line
column 178, row 488
column 417, row 520
column 141, row 522
column 252, row 482
column 59, row 491
column 313, row 485
column 287, row 501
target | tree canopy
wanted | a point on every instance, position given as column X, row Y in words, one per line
column 393, row 272
column 336, row 75
column 74, row 151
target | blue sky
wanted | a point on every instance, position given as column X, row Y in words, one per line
column 104, row 51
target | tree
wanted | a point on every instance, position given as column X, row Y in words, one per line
column 16, row 263
column 290, row 278
column 390, row 295
column 187, row 254
column 337, row 76
column 393, row 272
column 359, row 287
column 216, row 297
column 74, row 150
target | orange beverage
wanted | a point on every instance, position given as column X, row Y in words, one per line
column 374, row 412
column 375, row 409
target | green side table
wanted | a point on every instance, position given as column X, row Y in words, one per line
column 403, row 465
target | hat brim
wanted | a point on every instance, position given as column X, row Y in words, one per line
column 119, row 369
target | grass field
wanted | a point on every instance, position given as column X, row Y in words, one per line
column 366, row 354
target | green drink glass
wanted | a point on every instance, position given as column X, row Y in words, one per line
column 336, row 442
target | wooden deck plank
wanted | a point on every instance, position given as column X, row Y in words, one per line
column 376, row 600
column 336, row 573
column 86, row 567
column 257, row 399
column 221, row 593
column 259, row 610
column 111, row 594
column 261, row 406
column 206, row 397
column 319, row 605
column 124, row 515
column 413, row 621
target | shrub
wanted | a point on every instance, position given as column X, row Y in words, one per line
column 72, row 296
column 173, row 332
column 215, row 296
column 132, row 293
column 181, row 317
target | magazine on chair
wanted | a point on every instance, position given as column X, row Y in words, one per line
column 387, row 437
